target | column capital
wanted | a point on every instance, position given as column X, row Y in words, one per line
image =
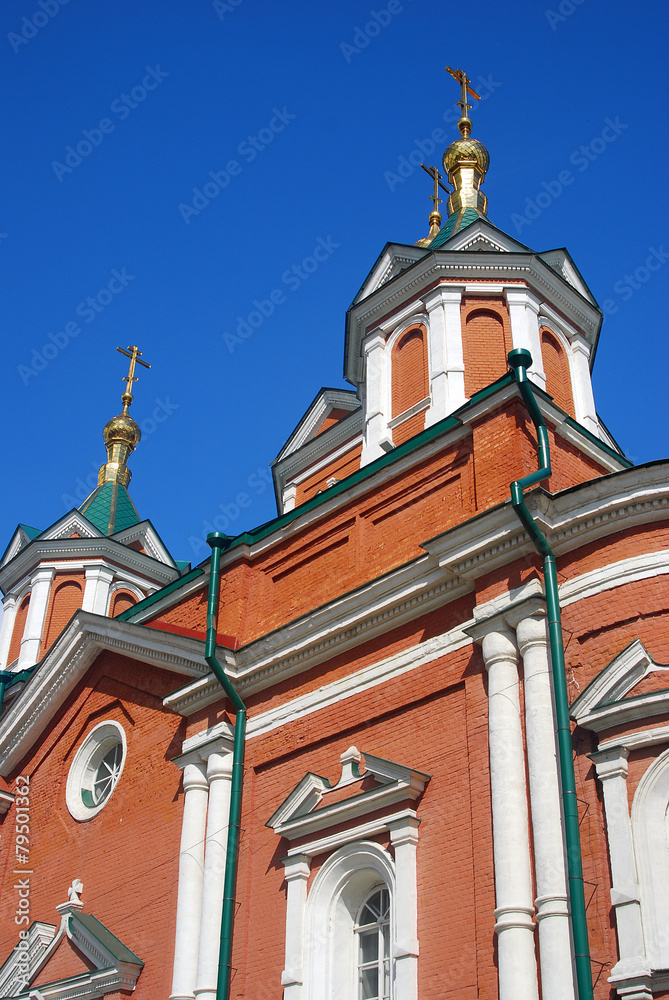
column 499, row 645
column 219, row 765
column 451, row 294
column 532, row 631
column 405, row 831
column 43, row 574
column 195, row 776
column 376, row 338
column 520, row 295
column 611, row 763
column 297, row 866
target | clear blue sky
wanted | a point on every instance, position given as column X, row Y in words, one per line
column 316, row 104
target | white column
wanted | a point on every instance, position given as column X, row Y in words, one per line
column 96, row 593
column 584, row 401
column 39, row 600
column 549, row 859
column 296, row 875
column 524, row 320
column 289, row 497
column 10, row 605
column 404, row 838
column 376, row 439
column 513, row 880
column 611, row 768
column 447, row 378
column 219, row 774
column 189, row 896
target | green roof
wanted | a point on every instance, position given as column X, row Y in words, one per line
column 120, row 952
column 30, row 532
column 110, row 508
column 454, row 224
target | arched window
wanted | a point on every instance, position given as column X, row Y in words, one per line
column 66, row 598
column 350, row 926
column 19, row 628
column 485, row 344
column 372, row 931
column 650, row 816
column 556, row 367
column 410, row 382
column 120, row 602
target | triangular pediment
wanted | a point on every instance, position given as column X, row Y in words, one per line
column 328, row 403
column 81, row 957
column 72, row 524
column 394, row 258
column 22, row 537
column 631, row 686
column 145, row 536
column 482, row 235
column 367, row 783
column 561, row 262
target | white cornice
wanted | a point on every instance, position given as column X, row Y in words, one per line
column 459, row 266
column 605, row 704
column 67, row 661
column 50, row 550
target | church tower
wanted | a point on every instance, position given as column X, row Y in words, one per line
column 102, row 557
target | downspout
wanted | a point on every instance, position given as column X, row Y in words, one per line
column 520, row 360
column 218, row 541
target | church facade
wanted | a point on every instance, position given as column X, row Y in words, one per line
column 369, row 678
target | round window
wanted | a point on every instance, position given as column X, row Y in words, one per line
column 95, row 770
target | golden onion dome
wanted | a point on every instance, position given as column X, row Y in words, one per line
column 466, row 149
column 122, row 428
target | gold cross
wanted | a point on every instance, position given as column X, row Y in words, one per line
column 134, row 354
column 436, row 177
column 464, row 82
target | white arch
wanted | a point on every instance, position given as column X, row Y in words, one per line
column 122, row 585
column 651, row 843
column 335, row 897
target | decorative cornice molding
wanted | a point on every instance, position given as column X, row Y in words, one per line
column 67, row 661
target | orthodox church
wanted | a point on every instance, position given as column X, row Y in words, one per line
column 410, row 739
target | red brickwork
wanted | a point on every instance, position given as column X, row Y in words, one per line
column 127, row 855
column 556, row 369
column 66, row 597
column 18, row 630
column 486, row 341
column 410, row 381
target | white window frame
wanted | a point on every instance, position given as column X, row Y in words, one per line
column 84, row 767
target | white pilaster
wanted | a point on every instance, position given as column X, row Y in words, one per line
column 513, row 881
column 39, row 600
column 219, row 775
column 584, row 401
column 189, row 896
column 376, row 438
column 404, row 838
column 289, row 497
column 10, row 605
column 296, row 874
column 447, row 379
column 549, row 860
column 96, row 593
column 633, row 965
column 524, row 319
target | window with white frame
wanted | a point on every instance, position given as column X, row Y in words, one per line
column 373, row 946
column 350, row 926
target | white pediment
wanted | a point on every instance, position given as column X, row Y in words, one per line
column 148, row 538
column 322, row 406
column 18, row 541
column 482, row 235
column 307, row 808
column 560, row 261
column 74, row 523
column 609, row 699
column 394, row 259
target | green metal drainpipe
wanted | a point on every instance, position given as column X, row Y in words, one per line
column 520, row 360
column 218, row 541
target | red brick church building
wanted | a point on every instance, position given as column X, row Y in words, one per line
column 390, row 716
